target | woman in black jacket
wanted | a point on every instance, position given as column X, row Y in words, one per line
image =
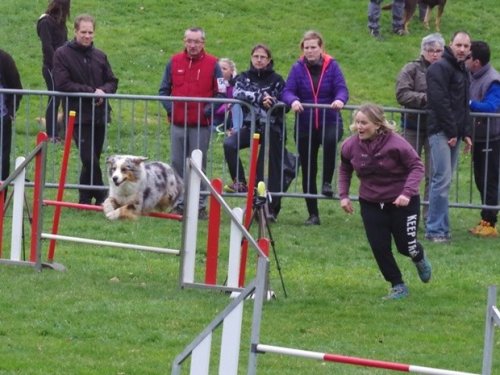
column 261, row 87
column 53, row 33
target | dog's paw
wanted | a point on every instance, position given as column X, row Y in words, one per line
column 113, row 215
column 108, row 206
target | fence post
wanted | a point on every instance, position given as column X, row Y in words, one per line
column 489, row 333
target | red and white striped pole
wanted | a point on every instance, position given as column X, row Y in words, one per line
column 357, row 361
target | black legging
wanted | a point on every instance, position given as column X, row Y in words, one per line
column 6, row 139
column 308, row 147
column 90, row 142
column 52, row 105
column 489, row 189
column 241, row 140
column 386, row 221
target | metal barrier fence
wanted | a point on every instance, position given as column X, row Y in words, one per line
column 138, row 125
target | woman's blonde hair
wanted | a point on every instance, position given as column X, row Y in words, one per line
column 311, row 35
column 375, row 114
column 231, row 64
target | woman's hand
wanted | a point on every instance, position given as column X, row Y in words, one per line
column 401, row 201
column 346, row 205
column 297, row 106
column 267, row 101
column 337, row 104
column 99, row 101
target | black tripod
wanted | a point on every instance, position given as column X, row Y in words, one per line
column 260, row 201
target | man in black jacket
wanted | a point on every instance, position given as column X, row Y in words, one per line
column 81, row 68
column 9, row 104
column 448, row 122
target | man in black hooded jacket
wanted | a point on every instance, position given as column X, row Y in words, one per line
column 82, row 68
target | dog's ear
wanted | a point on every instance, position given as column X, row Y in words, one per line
column 139, row 159
column 110, row 160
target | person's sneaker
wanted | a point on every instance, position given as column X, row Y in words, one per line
column 487, row 230
column 236, row 187
column 202, row 214
column 478, row 227
column 438, row 239
column 327, row 190
column 312, row 220
column 424, row 269
column 398, row 291
column 376, row 34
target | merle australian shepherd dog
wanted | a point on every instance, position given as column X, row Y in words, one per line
column 136, row 187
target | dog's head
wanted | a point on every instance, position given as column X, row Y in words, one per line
column 124, row 168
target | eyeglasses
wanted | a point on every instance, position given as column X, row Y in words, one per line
column 193, row 41
column 434, row 51
column 259, row 57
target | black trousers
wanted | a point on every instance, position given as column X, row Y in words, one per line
column 384, row 222
column 308, row 146
column 241, row 140
column 52, row 105
column 486, row 176
column 6, row 140
column 90, row 141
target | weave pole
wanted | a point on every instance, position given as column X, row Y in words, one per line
column 357, row 361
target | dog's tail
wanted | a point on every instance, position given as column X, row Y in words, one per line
column 387, row 7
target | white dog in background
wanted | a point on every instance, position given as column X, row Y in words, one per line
column 136, row 187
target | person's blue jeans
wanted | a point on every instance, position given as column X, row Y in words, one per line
column 236, row 116
column 443, row 162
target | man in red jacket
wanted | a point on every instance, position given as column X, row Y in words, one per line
column 190, row 73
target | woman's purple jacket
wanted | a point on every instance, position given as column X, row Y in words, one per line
column 331, row 86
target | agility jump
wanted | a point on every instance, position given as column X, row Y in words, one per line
column 59, row 203
column 194, row 176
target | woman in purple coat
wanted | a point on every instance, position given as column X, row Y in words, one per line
column 316, row 78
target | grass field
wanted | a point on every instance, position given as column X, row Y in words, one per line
column 121, row 312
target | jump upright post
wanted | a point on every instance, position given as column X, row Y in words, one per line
column 193, row 179
column 62, row 181
column 18, row 178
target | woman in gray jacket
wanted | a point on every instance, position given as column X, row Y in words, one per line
column 411, row 87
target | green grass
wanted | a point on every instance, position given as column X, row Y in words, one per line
column 121, row 312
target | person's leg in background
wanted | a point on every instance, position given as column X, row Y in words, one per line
column 51, row 113
column 398, row 10
column 374, row 17
column 6, row 140
column 96, row 176
column 331, row 135
column 237, row 141
column 307, row 147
